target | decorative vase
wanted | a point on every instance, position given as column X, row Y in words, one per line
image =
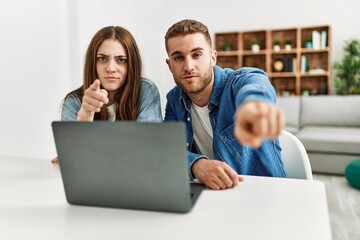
column 227, row 48
column 308, row 45
column 288, row 47
column 276, row 48
column 278, row 66
column 255, row 48
column 305, row 93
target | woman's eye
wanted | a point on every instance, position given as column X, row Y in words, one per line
column 122, row 60
column 101, row 59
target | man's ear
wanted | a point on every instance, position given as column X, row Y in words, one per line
column 168, row 63
column 213, row 57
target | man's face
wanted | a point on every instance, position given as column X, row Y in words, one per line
column 191, row 62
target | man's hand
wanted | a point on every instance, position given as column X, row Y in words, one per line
column 93, row 100
column 256, row 121
column 215, row 174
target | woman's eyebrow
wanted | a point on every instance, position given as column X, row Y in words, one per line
column 103, row 54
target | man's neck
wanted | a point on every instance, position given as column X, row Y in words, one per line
column 203, row 98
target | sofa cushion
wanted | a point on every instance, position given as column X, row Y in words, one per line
column 330, row 139
column 330, row 111
column 291, row 108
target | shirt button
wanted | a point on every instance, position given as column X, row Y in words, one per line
column 188, row 119
column 187, row 144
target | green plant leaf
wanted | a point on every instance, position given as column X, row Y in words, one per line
column 347, row 80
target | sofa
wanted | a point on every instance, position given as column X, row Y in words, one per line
column 328, row 126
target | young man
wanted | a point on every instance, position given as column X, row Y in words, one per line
column 231, row 116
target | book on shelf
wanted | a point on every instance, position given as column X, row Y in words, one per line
column 294, row 64
column 316, row 71
column 288, row 63
column 304, row 64
column 316, row 40
column 323, row 39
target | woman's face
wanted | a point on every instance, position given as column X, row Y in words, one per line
column 111, row 65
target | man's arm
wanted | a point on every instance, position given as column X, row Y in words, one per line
column 257, row 117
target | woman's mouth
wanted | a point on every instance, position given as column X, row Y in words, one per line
column 111, row 79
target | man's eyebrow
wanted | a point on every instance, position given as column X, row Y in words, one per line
column 192, row 50
column 197, row 49
column 175, row 53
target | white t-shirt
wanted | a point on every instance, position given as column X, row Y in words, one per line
column 112, row 112
column 203, row 134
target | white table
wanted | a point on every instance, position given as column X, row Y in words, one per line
column 33, row 206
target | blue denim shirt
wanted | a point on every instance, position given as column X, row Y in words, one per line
column 231, row 90
column 149, row 107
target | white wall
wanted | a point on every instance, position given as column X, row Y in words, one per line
column 34, row 74
column 45, row 46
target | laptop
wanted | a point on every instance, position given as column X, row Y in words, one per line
column 124, row 164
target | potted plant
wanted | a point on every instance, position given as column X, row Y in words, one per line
column 308, row 43
column 305, row 90
column 255, row 45
column 227, row 46
column 288, row 45
column 276, row 45
column 347, row 77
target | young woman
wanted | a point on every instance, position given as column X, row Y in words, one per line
column 113, row 87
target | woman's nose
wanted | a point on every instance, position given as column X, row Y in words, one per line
column 111, row 67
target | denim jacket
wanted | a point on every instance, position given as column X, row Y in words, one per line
column 149, row 106
column 231, row 90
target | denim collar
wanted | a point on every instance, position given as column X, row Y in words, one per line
column 219, row 84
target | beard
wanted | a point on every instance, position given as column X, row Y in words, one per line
column 200, row 82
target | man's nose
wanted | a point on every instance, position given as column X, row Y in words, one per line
column 189, row 64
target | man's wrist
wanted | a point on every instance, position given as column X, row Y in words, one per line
column 196, row 161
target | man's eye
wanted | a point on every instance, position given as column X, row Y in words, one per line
column 197, row 55
column 178, row 58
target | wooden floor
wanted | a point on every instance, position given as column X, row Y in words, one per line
column 344, row 207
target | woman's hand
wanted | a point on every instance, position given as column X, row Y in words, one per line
column 93, row 100
column 55, row 160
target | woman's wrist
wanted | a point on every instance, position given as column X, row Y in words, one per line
column 85, row 116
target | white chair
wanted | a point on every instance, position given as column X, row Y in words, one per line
column 294, row 156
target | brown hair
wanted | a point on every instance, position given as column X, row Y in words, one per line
column 185, row 27
column 128, row 96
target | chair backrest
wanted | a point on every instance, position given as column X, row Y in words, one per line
column 294, row 156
